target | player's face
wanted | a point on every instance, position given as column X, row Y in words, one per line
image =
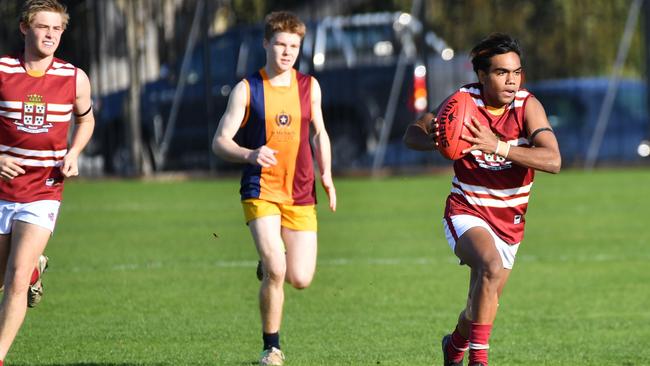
column 503, row 79
column 282, row 51
column 43, row 34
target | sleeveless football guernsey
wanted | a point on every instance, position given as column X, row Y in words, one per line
column 279, row 117
column 35, row 113
column 487, row 185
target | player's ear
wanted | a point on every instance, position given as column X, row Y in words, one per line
column 23, row 28
column 482, row 77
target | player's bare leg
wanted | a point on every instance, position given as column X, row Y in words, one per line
column 465, row 316
column 476, row 248
column 460, row 338
column 28, row 241
column 455, row 345
column 5, row 246
column 35, row 291
column 268, row 240
column 302, row 249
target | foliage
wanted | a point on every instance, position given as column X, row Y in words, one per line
column 560, row 38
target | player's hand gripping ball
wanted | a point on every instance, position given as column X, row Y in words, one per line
column 451, row 118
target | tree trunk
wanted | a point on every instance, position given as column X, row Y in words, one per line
column 134, row 134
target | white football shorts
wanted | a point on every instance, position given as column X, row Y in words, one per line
column 42, row 213
column 462, row 223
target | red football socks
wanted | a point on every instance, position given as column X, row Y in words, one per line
column 457, row 347
column 479, row 336
column 35, row 275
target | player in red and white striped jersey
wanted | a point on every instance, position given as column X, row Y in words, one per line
column 484, row 215
column 38, row 96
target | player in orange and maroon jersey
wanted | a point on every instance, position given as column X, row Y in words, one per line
column 39, row 94
column 267, row 125
column 484, row 216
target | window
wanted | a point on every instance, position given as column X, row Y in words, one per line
column 631, row 102
column 367, row 44
column 563, row 111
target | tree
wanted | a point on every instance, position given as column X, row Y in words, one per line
column 561, row 38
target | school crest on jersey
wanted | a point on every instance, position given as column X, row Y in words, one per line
column 283, row 119
column 491, row 161
column 34, row 115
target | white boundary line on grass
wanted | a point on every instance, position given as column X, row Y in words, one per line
column 418, row 261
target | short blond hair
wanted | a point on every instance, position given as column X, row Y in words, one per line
column 31, row 7
column 283, row 21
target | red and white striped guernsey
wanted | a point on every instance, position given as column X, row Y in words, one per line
column 35, row 113
column 487, row 185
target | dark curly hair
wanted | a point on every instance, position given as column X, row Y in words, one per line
column 494, row 44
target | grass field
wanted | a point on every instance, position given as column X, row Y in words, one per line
column 138, row 277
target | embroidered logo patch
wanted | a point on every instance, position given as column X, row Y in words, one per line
column 283, row 119
column 34, row 115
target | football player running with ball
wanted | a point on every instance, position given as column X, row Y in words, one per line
column 510, row 138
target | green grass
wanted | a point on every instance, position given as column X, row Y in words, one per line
column 138, row 277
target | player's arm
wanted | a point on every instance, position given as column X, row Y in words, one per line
column 420, row 135
column 224, row 144
column 544, row 153
column 84, row 125
column 322, row 146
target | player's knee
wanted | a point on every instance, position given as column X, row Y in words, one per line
column 18, row 282
column 300, row 282
column 276, row 273
column 492, row 270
